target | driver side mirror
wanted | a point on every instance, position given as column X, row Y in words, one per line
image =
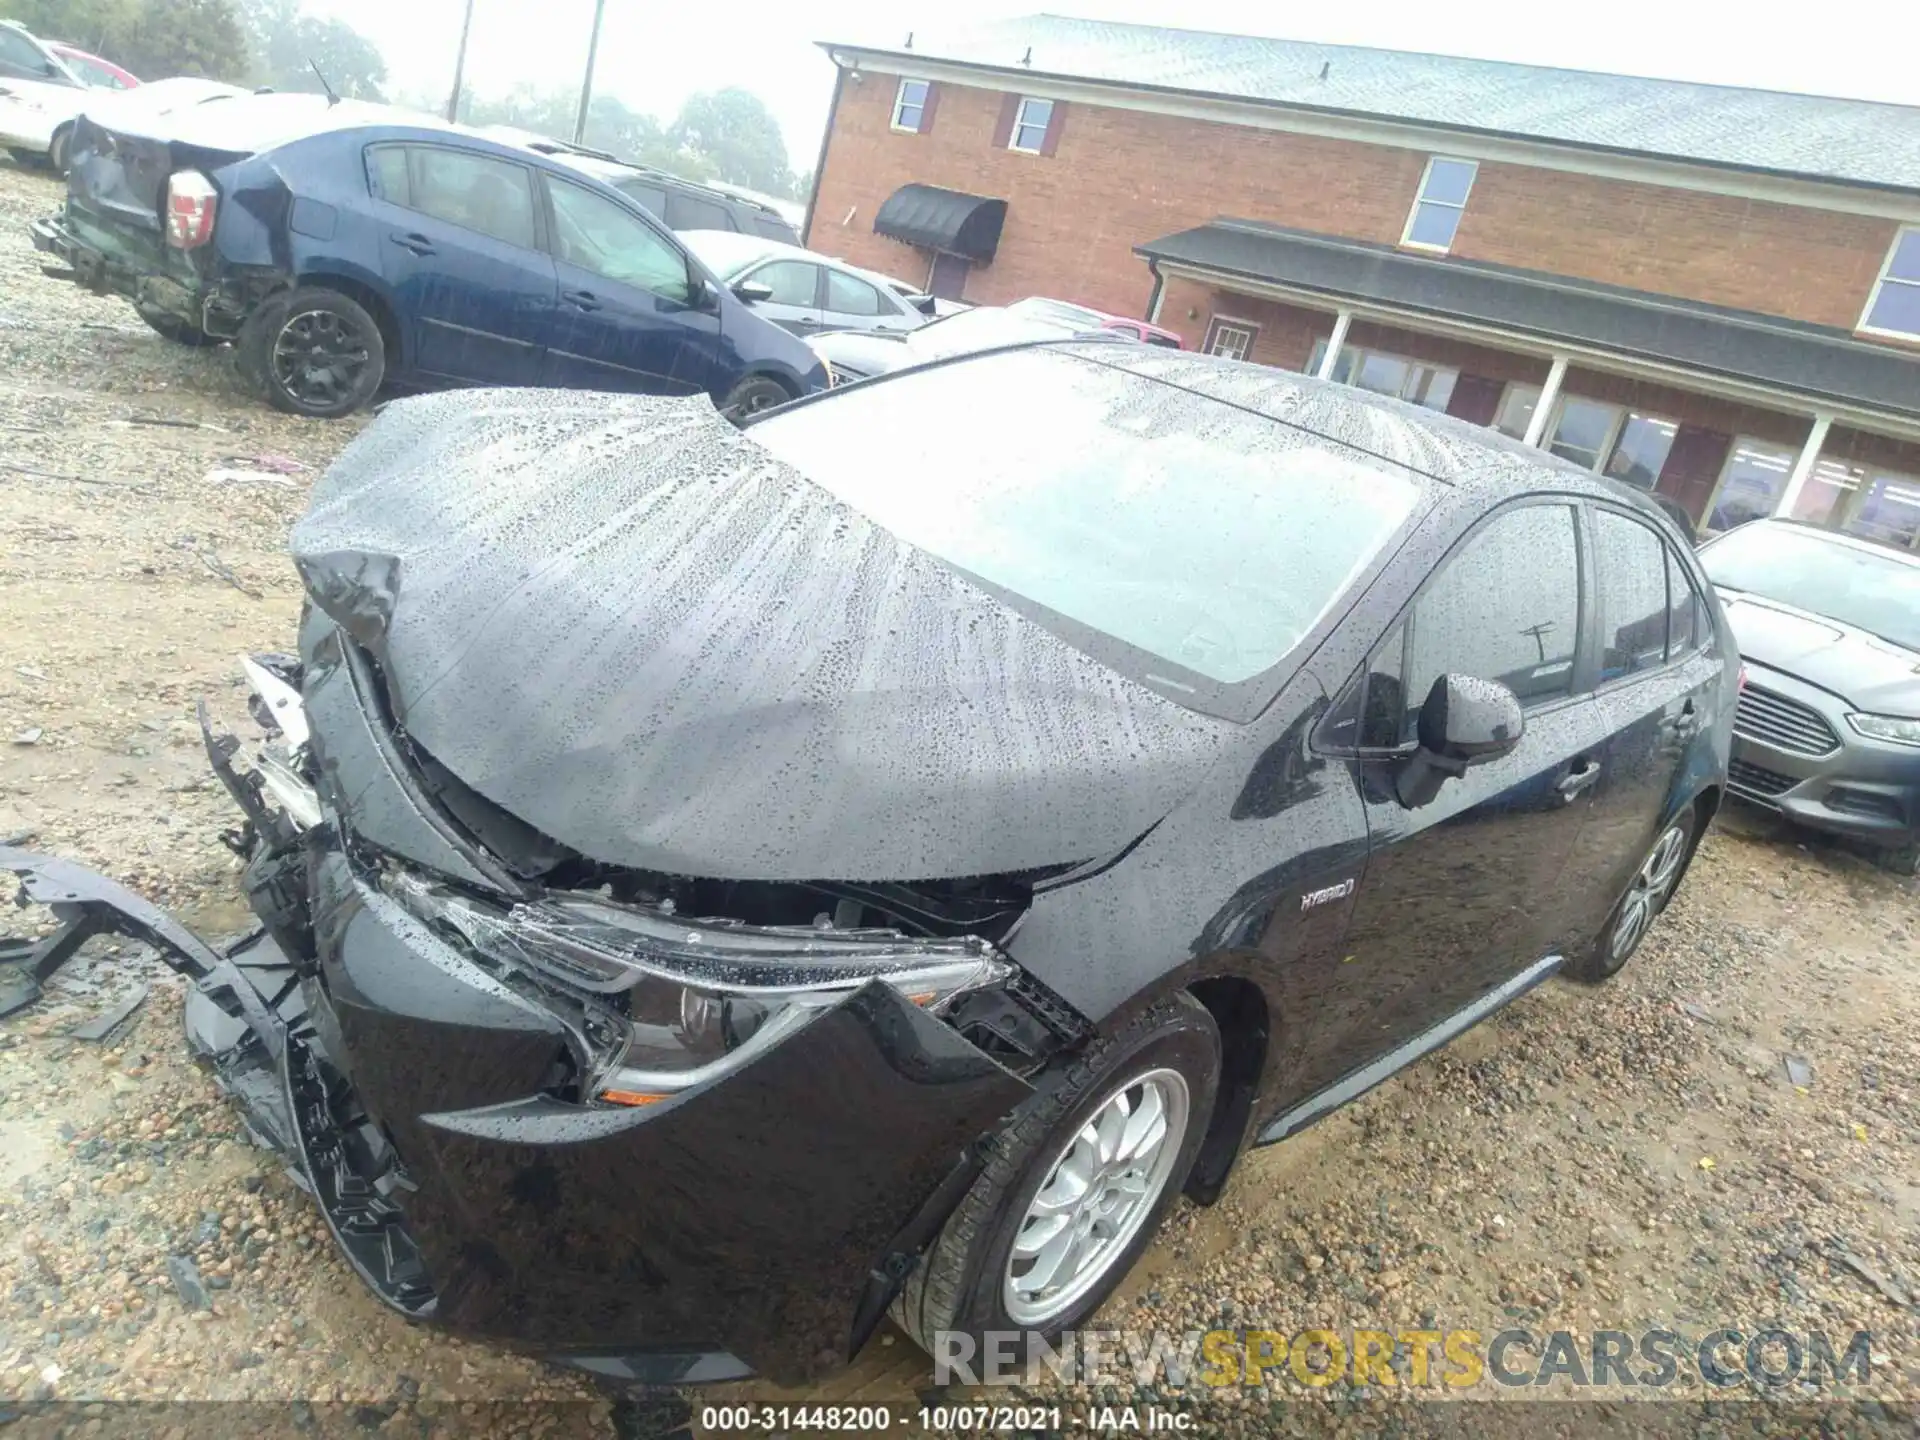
column 1464, row 721
column 752, row 291
column 925, row 304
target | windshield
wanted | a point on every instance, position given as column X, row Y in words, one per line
column 1203, row 538
column 723, row 252
column 983, row 328
column 1875, row 591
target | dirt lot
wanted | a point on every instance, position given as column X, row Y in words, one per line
column 1626, row 1158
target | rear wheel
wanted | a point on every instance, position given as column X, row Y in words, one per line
column 752, row 395
column 1075, row 1185
column 60, row 149
column 175, row 327
column 314, row 352
column 1646, row 897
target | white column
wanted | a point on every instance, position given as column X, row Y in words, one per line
column 1549, row 392
column 1334, row 342
column 1803, row 467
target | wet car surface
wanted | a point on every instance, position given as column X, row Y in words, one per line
column 610, row 705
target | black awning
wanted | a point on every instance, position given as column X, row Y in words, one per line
column 950, row 220
column 1813, row 361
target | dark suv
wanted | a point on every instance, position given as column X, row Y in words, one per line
column 346, row 246
column 684, row 204
column 719, row 883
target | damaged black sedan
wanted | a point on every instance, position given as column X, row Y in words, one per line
column 720, row 884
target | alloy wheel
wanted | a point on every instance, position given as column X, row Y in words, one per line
column 1648, row 891
column 317, row 358
column 1099, row 1191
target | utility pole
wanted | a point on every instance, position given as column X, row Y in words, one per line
column 459, row 67
column 586, row 85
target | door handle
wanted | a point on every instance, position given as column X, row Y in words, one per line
column 1583, row 774
column 418, row 244
column 581, row 299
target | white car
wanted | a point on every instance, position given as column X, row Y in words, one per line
column 39, row 98
column 799, row 290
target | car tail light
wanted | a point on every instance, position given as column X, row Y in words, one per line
column 191, row 199
column 1743, row 677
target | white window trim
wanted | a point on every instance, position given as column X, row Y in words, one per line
column 1214, row 322
column 1619, row 423
column 1873, row 295
column 1752, row 442
column 1013, row 132
column 899, row 98
column 1420, row 198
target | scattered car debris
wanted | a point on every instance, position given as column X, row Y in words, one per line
column 30, row 672
column 18, row 837
column 1694, row 1012
column 114, row 1016
column 219, row 568
column 30, row 736
column 1870, row 1273
column 1799, row 1072
column 187, row 1283
column 227, row 475
column 177, row 423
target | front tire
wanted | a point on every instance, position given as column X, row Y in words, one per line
column 1652, row 886
column 1075, row 1186
column 752, row 395
column 313, row 352
column 60, row 150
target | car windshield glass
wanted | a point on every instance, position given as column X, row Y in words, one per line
column 724, row 252
column 1205, row 539
column 1875, row 591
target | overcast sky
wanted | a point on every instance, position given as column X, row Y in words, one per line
column 654, row 53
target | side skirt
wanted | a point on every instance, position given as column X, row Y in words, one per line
column 1353, row 1085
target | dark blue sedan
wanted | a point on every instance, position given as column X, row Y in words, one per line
column 343, row 247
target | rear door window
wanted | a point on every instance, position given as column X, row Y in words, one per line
column 1504, row 607
column 1632, row 563
column 387, row 174
column 847, row 295
column 475, row 192
column 691, row 212
column 651, row 196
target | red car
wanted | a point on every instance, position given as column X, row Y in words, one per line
column 1093, row 319
column 90, row 69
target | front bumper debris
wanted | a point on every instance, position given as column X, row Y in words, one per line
column 756, row 1223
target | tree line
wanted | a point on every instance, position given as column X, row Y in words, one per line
column 724, row 135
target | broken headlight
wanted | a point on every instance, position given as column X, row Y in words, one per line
column 668, row 1003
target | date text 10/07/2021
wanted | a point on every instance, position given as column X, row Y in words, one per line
column 941, row 1419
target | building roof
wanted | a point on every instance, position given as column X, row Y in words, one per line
column 1788, row 356
column 1855, row 141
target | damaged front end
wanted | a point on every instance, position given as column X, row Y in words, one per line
column 661, row 1127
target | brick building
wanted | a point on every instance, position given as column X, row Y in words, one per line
column 1709, row 290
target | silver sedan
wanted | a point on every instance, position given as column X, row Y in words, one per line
column 797, row 289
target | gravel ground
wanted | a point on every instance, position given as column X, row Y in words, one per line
column 1624, row 1158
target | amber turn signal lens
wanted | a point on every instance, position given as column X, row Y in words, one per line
column 630, row 1097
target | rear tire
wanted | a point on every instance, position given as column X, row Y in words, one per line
column 752, row 395
column 59, row 150
column 175, row 328
column 312, row 352
column 1166, row 1062
column 1652, row 886
column 1899, row 859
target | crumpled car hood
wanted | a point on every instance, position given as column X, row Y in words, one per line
column 623, row 621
